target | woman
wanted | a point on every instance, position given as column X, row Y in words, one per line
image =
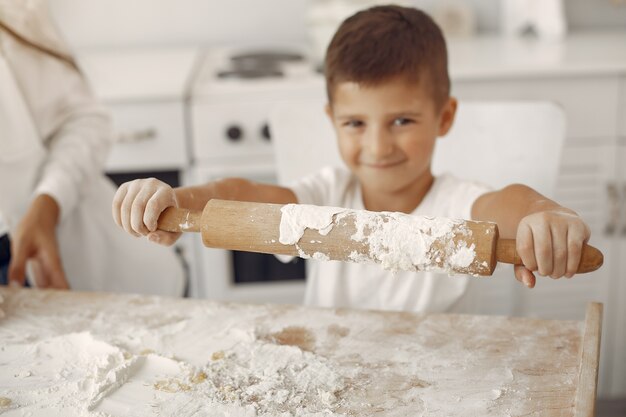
column 54, row 198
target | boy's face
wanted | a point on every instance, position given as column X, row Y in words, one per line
column 387, row 132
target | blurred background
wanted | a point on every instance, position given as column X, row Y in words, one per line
column 190, row 84
column 163, row 22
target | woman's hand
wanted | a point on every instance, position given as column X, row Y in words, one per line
column 34, row 241
column 137, row 206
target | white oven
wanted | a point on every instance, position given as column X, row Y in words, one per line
column 242, row 276
column 231, row 97
column 145, row 91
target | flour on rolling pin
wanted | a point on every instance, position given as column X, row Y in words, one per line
column 296, row 218
column 186, row 225
column 397, row 241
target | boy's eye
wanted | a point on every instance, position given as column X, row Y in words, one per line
column 353, row 123
column 401, row 121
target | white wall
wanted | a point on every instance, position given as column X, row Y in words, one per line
column 580, row 14
column 169, row 22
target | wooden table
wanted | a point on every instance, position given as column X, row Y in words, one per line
column 388, row 364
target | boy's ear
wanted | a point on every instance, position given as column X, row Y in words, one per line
column 448, row 112
column 329, row 111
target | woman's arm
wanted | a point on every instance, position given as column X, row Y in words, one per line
column 74, row 128
column 75, row 135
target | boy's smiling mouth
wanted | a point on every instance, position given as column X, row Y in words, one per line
column 383, row 164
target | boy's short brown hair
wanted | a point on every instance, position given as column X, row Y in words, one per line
column 383, row 42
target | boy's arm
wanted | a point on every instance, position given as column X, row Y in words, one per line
column 138, row 204
column 238, row 189
column 549, row 236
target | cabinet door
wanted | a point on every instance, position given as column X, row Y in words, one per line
column 589, row 102
column 617, row 386
column 585, row 179
column 586, row 184
column 621, row 114
column 150, row 136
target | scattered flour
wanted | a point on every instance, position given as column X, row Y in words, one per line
column 397, row 241
column 96, row 355
column 263, row 377
column 67, row 371
column 85, row 376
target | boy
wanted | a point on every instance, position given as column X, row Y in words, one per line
column 388, row 100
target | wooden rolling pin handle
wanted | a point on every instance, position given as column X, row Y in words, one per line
column 591, row 259
column 178, row 220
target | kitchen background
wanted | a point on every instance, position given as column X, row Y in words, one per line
column 168, row 22
column 157, row 65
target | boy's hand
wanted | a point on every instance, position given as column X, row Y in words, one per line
column 137, row 206
column 550, row 243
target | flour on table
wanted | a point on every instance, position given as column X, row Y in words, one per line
column 66, row 372
column 251, row 377
column 102, row 355
column 397, row 241
column 260, row 379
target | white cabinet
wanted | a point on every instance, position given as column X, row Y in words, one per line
column 145, row 91
column 587, row 169
column 589, row 102
column 149, row 136
column 617, row 221
column 618, row 375
column 591, row 179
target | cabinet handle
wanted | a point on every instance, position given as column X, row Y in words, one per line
column 613, row 209
column 623, row 207
column 134, row 136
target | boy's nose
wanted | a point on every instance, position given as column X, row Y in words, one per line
column 379, row 143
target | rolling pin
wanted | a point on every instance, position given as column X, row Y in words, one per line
column 397, row 241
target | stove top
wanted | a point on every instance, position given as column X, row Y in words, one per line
column 262, row 57
column 231, row 69
column 233, row 94
column 259, row 64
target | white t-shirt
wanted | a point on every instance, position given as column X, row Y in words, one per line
column 354, row 285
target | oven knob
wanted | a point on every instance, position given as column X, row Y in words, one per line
column 234, row 133
column 265, row 132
